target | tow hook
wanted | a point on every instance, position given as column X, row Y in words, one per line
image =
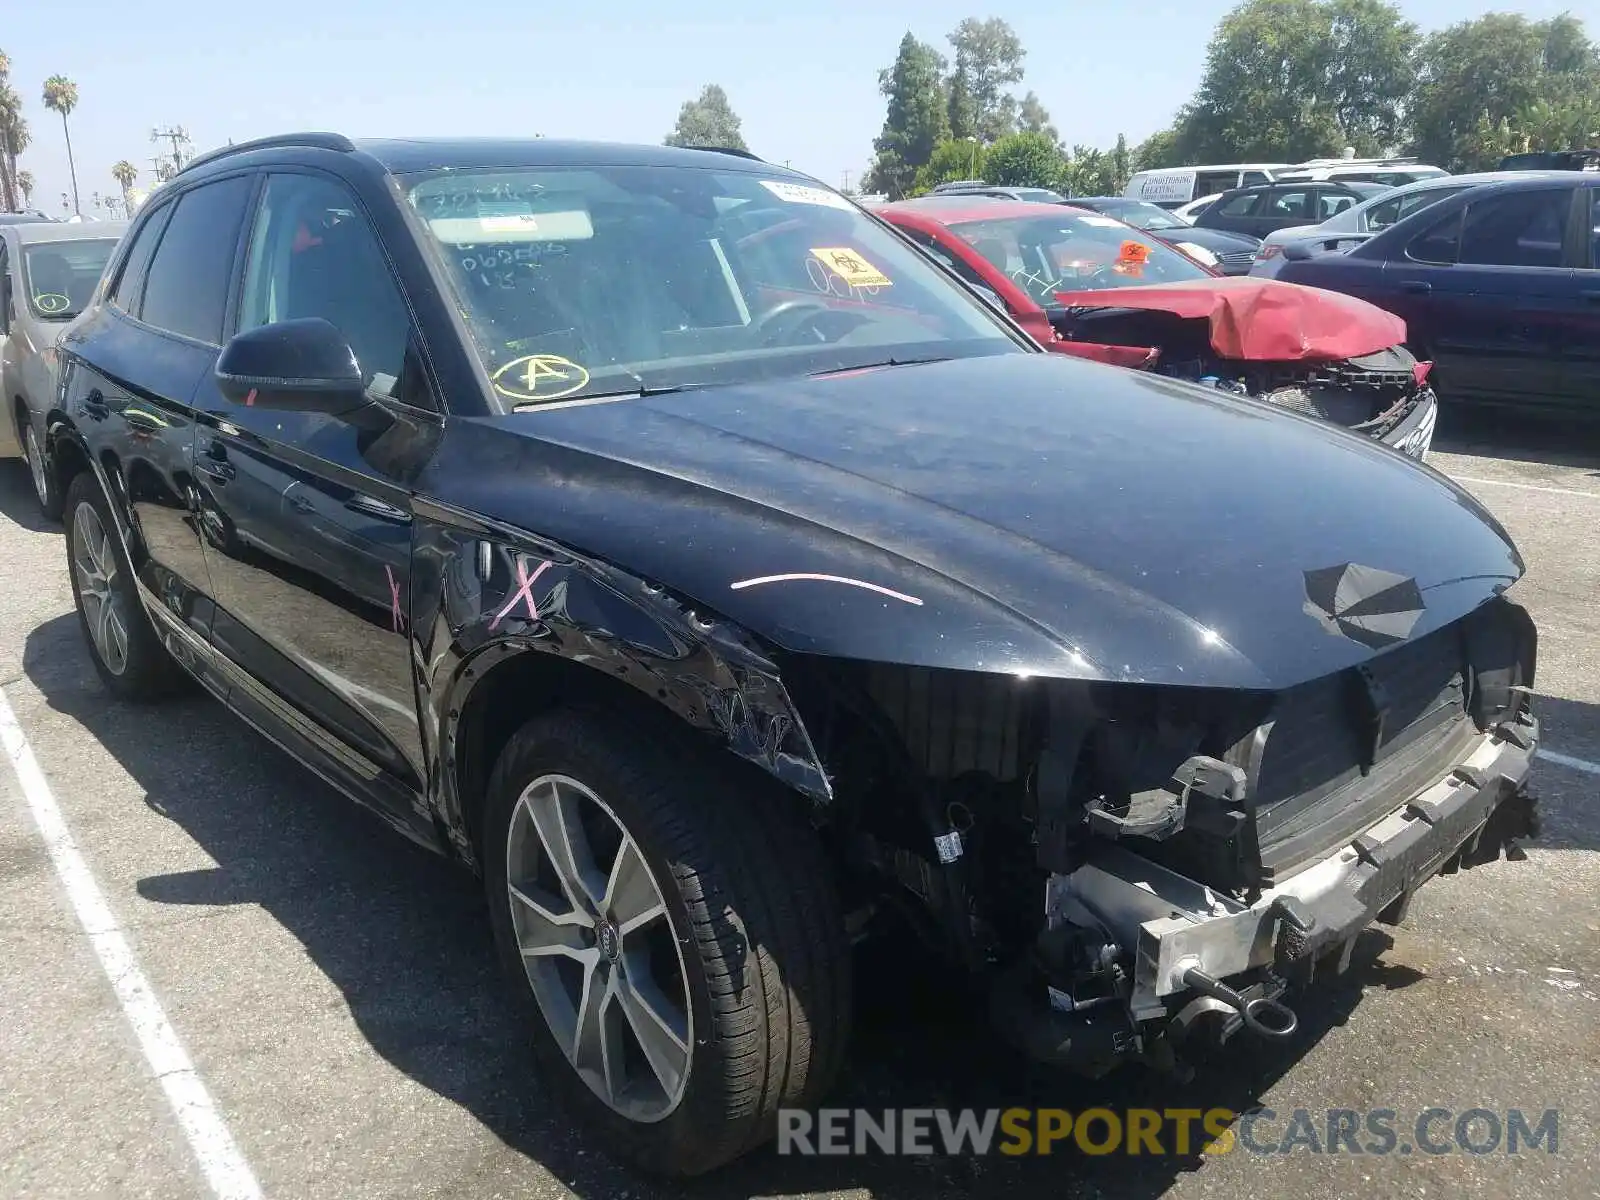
column 1265, row 1017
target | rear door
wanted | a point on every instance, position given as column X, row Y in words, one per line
column 1235, row 213
column 1283, row 206
column 1488, row 293
column 134, row 363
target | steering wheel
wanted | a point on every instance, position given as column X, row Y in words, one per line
column 783, row 321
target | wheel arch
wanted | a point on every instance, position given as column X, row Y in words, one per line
column 604, row 640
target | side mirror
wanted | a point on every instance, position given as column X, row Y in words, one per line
column 303, row 365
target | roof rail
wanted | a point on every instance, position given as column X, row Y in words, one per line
column 315, row 141
column 733, row 150
column 954, row 185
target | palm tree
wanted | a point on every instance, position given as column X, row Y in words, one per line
column 25, row 185
column 125, row 173
column 13, row 135
column 61, row 95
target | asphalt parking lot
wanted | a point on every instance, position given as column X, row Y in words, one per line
column 335, row 989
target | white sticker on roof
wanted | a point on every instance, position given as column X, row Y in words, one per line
column 1102, row 222
column 796, row 193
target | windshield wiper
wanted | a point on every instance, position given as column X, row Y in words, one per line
column 888, row 362
column 638, row 392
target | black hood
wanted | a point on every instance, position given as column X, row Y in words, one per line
column 1214, row 240
column 1027, row 513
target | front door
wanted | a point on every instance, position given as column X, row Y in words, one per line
column 312, row 562
column 1489, row 295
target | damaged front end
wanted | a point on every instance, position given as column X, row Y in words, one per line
column 1384, row 394
column 1126, row 868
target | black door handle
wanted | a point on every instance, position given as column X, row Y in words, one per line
column 214, row 464
column 1592, row 295
column 1418, row 287
column 301, row 504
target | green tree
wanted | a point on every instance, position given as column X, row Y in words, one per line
column 124, row 172
column 917, row 119
column 1159, row 150
column 13, row 138
column 1032, row 117
column 1121, row 166
column 1502, row 83
column 1024, row 160
column 1295, row 79
column 952, row 159
column 708, row 120
column 988, row 59
column 61, row 96
column 25, row 186
column 963, row 115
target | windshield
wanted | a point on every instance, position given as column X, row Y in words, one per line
column 1142, row 214
column 1075, row 252
column 61, row 276
column 618, row 279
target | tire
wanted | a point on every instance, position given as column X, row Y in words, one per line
column 751, row 922
column 134, row 666
column 45, row 488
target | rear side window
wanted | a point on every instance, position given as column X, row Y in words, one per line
column 1240, row 206
column 1524, row 229
column 1210, row 182
column 1295, row 203
column 1439, row 243
column 938, row 251
column 187, row 285
column 1594, row 227
column 130, row 283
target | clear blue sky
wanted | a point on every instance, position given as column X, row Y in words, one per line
column 803, row 79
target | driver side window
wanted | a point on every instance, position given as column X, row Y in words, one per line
column 313, row 254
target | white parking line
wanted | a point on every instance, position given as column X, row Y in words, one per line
column 224, row 1167
column 1528, row 487
column 1566, row 760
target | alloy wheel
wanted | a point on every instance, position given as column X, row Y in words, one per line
column 597, row 943
column 35, row 457
column 95, row 564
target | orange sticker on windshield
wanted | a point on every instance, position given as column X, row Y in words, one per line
column 539, row 377
column 850, row 267
column 1134, row 252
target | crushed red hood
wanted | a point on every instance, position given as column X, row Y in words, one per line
column 1263, row 320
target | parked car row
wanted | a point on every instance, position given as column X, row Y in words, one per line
column 1498, row 284
column 1083, row 283
column 678, row 547
column 48, row 272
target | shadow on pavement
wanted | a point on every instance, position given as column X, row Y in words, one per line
column 1519, row 437
column 404, row 937
column 1568, row 818
column 18, row 501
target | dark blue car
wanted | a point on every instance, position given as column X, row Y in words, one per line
column 1499, row 286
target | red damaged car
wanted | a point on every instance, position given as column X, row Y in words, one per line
column 1084, row 283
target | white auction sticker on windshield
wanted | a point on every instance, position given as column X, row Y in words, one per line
column 796, row 193
column 1101, row 222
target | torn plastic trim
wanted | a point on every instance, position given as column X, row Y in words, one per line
column 1172, row 925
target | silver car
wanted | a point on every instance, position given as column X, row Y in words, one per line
column 1345, row 229
column 48, row 272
